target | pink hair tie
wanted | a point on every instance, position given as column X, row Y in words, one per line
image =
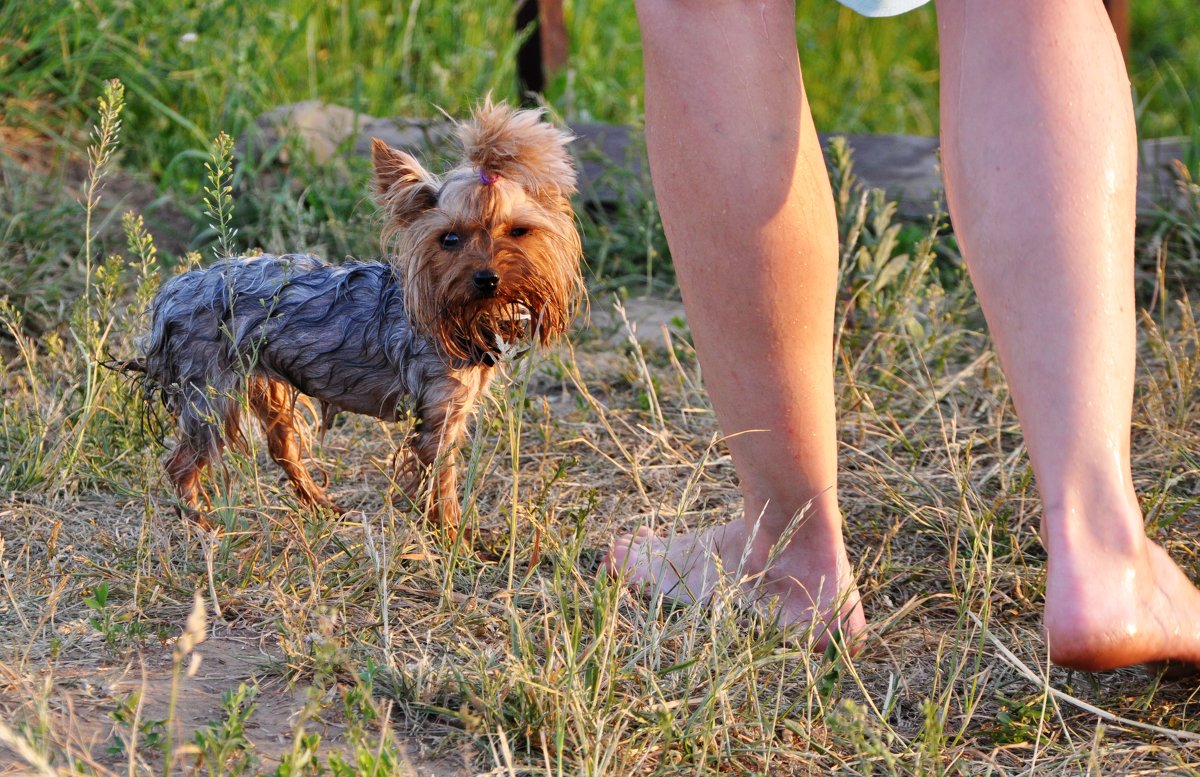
column 485, row 179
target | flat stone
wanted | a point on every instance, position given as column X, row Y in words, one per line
column 642, row 318
column 904, row 166
column 1158, row 179
column 612, row 157
column 612, row 163
column 327, row 132
column 907, row 167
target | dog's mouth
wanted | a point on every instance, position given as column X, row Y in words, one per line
column 512, row 331
column 513, row 323
column 491, row 333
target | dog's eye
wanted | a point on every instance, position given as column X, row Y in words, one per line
column 518, row 231
column 450, row 241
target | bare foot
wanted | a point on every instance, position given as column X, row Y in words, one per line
column 803, row 585
column 1108, row 610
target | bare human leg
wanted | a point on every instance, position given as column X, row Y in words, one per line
column 745, row 198
column 1040, row 158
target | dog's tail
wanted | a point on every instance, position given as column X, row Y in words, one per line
column 125, row 366
column 135, row 373
column 143, row 390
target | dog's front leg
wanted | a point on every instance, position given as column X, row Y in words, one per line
column 435, row 445
column 200, row 415
column 443, row 411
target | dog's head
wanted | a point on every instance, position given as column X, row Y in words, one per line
column 490, row 247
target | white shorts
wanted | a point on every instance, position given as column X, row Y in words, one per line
column 882, row 7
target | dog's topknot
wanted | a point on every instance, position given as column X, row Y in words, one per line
column 503, row 142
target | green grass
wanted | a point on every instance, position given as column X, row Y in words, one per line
column 367, row 645
column 195, row 70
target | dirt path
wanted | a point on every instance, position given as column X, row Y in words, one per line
column 79, row 695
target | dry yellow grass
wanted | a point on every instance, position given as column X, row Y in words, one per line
column 368, row 645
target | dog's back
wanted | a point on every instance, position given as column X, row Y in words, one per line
column 337, row 333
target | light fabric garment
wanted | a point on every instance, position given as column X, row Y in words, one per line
column 882, row 7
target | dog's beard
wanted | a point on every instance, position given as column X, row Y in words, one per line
column 487, row 327
column 495, row 325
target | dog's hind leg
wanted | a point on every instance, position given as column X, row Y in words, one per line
column 200, row 417
column 274, row 402
column 184, row 465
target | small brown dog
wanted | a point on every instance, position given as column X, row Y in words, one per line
column 485, row 254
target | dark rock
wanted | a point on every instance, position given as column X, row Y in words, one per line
column 904, row 166
column 612, row 157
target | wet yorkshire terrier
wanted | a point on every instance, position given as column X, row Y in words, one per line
column 480, row 257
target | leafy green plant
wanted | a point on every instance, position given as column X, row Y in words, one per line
column 1018, row 720
column 102, row 621
column 139, row 731
column 224, row 748
column 118, row 630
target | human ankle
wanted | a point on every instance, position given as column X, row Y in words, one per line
column 778, row 519
column 1079, row 530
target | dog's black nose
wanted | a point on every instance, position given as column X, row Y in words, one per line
column 486, row 281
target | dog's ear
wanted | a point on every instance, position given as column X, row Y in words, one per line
column 402, row 188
